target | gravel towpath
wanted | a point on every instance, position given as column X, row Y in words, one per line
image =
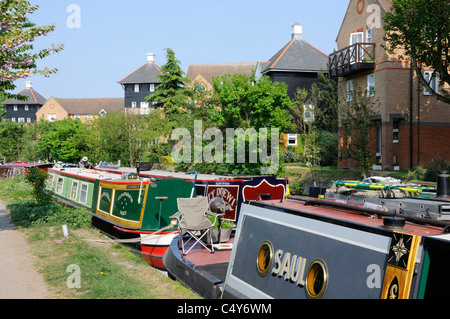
column 19, row 279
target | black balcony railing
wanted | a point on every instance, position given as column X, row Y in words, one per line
column 352, row 59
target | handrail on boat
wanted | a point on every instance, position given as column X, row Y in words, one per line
column 368, row 210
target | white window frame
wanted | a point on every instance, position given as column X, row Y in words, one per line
column 133, row 105
column 28, row 119
column 434, row 84
column 84, row 192
column 15, row 108
column 378, row 141
column 59, row 185
column 26, row 107
column 73, row 195
column 360, row 39
column 49, row 184
column 369, row 35
column 51, row 117
column 136, row 88
column 144, row 108
column 349, row 87
column 371, row 85
column 292, row 136
column 21, row 120
column 395, row 130
column 151, row 88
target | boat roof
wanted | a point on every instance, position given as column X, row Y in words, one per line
column 25, row 164
column 176, row 174
column 91, row 174
column 350, row 216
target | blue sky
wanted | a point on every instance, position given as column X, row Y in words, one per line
column 114, row 36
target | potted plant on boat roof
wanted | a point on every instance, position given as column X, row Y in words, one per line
column 223, row 232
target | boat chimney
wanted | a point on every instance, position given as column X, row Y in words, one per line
column 150, row 57
column 297, row 31
column 443, row 184
column 394, row 222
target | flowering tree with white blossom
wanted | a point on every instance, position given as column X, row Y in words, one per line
column 17, row 33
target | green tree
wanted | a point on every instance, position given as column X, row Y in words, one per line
column 37, row 178
column 60, row 141
column 357, row 117
column 244, row 102
column 125, row 137
column 171, row 93
column 109, row 138
column 325, row 94
column 10, row 133
column 17, row 33
column 241, row 102
column 27, row 143
column 421, row 28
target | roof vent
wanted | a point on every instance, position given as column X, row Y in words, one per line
column 297, row 31
column 150, row 57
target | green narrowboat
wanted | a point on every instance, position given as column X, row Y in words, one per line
column 124, row 206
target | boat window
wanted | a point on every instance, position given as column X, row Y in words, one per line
column 59, row 185
column 316, row 279
column 50, row 182
column 264, row 258
column 83, row 193
column 74, row 190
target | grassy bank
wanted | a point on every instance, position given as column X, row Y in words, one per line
column 106, row 269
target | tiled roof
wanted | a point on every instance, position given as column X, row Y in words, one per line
column 33, row 98
column 148, row 73
column 211, row 70
column 91, row 106
column 297, row 56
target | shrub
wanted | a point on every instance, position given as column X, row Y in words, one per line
column 37, row 178
column 289, row 156
column 327, row 144
column 26, row 213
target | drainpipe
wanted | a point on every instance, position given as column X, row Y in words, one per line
column 418, row 122
column 411, row 73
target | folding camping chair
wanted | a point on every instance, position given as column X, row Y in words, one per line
column 192, row 218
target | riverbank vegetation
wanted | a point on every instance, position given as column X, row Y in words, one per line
column 106, row 269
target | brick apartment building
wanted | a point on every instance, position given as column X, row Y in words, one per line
column 412, row 127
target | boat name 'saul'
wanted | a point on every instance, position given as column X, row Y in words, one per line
column 292, row 268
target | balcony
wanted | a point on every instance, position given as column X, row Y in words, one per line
column 353, row 59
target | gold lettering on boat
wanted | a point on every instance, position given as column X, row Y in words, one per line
column 293, row 269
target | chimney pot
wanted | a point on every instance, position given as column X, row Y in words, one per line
column 28, row 84
column 150, row 57
column 297, row 31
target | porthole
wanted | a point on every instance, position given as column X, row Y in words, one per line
column 316, row 279
column 264, row 258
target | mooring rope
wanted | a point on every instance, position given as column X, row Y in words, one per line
column 127, row 241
